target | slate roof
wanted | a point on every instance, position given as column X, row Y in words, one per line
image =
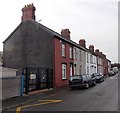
column 58, row 35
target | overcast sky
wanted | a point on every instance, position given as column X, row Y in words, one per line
column 96, row 21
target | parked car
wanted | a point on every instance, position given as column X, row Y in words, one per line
column 81, row 81
column 111, row 73
column 98, row 77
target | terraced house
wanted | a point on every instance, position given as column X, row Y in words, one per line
column 79, row 59
column 45, row 57
column 91, row 61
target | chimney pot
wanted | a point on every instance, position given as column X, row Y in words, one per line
column 105, row 56
column 97, row 51
column 91, row 48
column 101, row 53
column 28, row 12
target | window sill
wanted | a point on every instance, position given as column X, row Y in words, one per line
column 64, row 79
column 63, row 56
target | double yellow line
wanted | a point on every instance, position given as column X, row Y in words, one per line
column 42, row 102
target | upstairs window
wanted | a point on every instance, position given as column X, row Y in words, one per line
column 80, row 55
column 91, row 59
column 63, row 50
column 71, row 52
column 94, row 59
column 75, row 54
column 87, row 58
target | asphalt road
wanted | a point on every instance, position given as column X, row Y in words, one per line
column 102, row 97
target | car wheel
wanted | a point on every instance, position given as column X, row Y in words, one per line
column 102, row 79
column 94, row 83
column 87, row 85
column 72, row 88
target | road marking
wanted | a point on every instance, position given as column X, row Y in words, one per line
column 26, row 102
column 18, row 110
column 50, row 100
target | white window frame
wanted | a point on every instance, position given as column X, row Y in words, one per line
column 71, row 52
column 63, row 49
column 71, row 69
column 87, row 58
column 75, row 53
column 74, row 70
column 91, row 58
column 64, row 71
column 87, row 69
column 80, row 55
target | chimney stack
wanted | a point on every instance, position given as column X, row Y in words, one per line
column 101, row 53
column 91, row 48
column 28, row 12
column 82, row 43
column 97, row 51
column 66, row 33
column 104, row 56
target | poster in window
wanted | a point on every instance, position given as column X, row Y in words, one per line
column 32, row 76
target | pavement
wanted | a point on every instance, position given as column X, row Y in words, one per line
column 20, row 100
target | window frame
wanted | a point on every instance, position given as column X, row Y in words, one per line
column 63, row 50
column 75, row 53
column 64, row 71
column 87, row 69
column 80, row 55
column 71, row 52
column 87, row 58
column 71, row 69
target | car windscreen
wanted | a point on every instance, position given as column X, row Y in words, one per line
column 75, row 77
column 98, row 75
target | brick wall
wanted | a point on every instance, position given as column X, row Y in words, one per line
column 58, row 63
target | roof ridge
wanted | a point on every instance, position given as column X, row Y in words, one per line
column 45, row 27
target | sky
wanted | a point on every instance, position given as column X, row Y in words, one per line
column 96, row 21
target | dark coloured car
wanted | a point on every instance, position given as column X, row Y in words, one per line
column 99, row 77
column 111, row 73
column 81, row 81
